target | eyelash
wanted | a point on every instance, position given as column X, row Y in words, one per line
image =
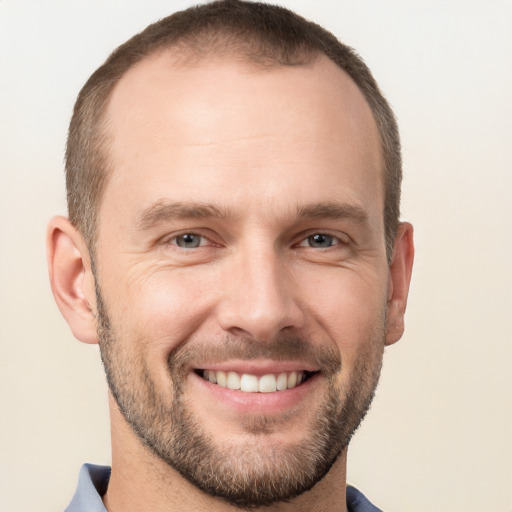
column 202, row 238
column 322, row 237
column 335, row 240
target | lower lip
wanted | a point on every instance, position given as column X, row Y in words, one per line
column 256, row 403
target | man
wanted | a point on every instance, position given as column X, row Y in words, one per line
column 233, row 245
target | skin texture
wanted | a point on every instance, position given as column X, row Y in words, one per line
column 254, row 163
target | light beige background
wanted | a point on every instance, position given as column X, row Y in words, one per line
column 439, row 435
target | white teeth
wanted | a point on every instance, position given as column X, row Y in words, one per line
column 222, row 379
column 251, row 383
column 267, row 384
column 233, row 381
column 282, row 382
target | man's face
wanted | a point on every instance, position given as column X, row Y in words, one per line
column 241, row 241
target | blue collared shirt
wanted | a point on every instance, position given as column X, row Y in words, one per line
column 93, row 483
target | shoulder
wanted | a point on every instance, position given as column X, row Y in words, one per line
column 357, row 502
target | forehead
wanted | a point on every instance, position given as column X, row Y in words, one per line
column 184, row 128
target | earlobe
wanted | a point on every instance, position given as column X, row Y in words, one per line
column 71, row 278
column 400, row 271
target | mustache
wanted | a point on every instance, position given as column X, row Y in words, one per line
column 285, row 347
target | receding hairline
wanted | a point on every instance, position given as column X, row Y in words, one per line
column 178, row 61
column 181, row 56
column 318, row 71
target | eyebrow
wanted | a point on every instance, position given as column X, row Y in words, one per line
column 333, row 211
column 163, row 210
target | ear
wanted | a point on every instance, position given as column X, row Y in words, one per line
column 399, row 279
column 71, row 278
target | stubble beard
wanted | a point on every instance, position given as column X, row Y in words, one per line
column 243, row 475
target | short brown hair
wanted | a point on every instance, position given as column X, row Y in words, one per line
column 264, row 34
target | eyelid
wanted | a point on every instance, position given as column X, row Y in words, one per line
column 170, row 239
column 341, row 238
column 202, row 240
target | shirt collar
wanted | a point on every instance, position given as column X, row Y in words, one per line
column 92, row 485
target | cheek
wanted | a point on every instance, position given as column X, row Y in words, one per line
column 151, row 314
column 162, row 306
column 350, row 307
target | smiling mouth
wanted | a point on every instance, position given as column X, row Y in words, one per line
column 247, row 383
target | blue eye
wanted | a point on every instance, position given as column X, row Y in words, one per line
column 188, row 241
column 320, row 241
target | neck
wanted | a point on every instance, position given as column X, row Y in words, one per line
column 141, row 482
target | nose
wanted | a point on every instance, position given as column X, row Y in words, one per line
column 260, row 296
